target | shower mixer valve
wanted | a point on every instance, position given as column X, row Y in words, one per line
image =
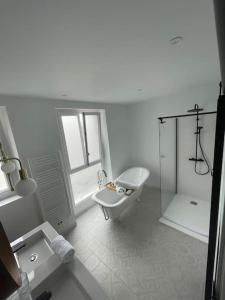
column 196, row 159
column 198, row 144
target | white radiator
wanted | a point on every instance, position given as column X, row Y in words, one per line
column 54, row 198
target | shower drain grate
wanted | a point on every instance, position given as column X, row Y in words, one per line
column 193, row 203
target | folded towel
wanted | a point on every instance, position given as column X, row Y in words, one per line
column 62, row 248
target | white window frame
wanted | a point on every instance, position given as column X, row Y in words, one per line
column 10, row 179
column 83, row 134
column 6, row 192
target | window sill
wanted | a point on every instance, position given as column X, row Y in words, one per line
column 9, row 199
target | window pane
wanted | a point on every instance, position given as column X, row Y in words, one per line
column 3, row 182
column 93, row 143
column 73, row 141
column 85, row 182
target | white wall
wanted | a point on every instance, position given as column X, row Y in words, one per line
column 220, row 27
column 132, row 130
column 145, row 127
column 189, row 183
column 20, row 216
column 35, row 130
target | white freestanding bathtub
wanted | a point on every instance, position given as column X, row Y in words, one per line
column 114, row 204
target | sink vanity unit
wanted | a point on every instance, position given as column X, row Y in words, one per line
column 49, row 277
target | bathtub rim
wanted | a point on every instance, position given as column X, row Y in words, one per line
column 120, row 202
column 121, row 182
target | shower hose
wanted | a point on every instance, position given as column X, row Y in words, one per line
column 209, row 169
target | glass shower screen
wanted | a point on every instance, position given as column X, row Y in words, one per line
column 168, row 161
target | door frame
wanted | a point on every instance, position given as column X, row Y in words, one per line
column 212, row 260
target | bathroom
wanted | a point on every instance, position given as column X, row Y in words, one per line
column 134, row 255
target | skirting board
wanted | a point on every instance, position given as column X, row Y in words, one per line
column 183, row 229
column 83, row 205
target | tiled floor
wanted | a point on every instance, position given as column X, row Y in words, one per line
column 138, row 258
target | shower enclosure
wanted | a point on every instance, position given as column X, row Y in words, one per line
column 186, row 160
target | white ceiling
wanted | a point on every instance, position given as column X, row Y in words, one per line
column 105, row 50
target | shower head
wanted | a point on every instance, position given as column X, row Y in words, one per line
column 196, row 109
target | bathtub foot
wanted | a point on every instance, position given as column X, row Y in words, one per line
column 105, row 213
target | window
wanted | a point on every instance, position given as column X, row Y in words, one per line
column 81, row 140
column 6, row 181
column 4, row 185
column 92, row 131
column 9, row 146
column 73, row 139
column 84, row 182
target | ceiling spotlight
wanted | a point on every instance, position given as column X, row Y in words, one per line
column 175, row 40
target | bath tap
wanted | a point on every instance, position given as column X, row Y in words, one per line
column 102, row 178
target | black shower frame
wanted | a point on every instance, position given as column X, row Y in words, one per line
column 186, row 115
column 210, row 292
column 176, row 117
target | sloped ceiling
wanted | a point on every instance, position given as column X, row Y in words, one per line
column 106, row 50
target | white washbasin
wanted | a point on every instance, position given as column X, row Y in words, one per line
column 48, row 273
column 133, row 178
column 35, row 251
column 62, row 284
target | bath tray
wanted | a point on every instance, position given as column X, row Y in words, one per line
column 112, row 187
